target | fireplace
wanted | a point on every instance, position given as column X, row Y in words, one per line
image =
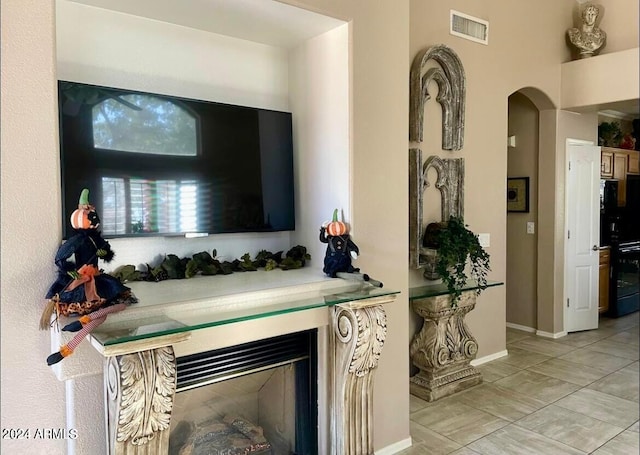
column 256, row 398
column 319, row 337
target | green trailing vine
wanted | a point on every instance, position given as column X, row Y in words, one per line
column 175, row 268
column 455, row 244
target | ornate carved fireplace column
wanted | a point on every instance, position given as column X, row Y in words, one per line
column 359, row 331
column 140, row 389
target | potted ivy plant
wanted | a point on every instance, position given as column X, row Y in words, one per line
column 454, row 246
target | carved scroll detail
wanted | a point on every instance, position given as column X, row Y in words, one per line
column 450, row 183
column 357, row 342
column 444, row 348
column 451, row 95
column 140, row 390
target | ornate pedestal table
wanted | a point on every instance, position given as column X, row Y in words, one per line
column 140, row 368
column 444, row 348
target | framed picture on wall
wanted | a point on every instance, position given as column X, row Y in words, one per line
column 518, row 194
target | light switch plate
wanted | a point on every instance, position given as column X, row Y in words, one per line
column 531, row 227
column 485, row 240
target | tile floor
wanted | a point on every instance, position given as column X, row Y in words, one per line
column 572, row 395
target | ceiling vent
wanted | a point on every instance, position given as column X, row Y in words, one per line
column 469, row 27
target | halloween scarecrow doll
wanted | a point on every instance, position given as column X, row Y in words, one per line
column 340, row 247
column 81, row 289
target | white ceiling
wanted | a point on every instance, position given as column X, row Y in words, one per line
column 263, row 21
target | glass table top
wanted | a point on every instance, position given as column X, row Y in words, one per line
column 433, row 290
column 160, row 312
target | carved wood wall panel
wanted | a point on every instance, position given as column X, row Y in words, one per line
column 451, row 82
column 450, row 183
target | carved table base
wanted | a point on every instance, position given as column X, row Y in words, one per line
column 444, row 348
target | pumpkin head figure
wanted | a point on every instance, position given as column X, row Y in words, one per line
column 336, row 227
column 81, row 288
column 85, row 216
column 340, row 247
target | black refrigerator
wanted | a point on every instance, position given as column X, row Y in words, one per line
column 610, row 216
column 631, row 227
column 624, row 289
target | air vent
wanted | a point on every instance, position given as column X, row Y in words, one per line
column 469, row 27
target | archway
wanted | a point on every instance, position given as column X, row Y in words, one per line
column 527, row 247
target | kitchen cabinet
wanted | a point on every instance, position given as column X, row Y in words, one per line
column 606, row 165
column 620, row 174
column 617, row 164
column 633, row 166
column 605, row 268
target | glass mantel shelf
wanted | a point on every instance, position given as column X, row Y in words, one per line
column 177, row 306
column 433, row 290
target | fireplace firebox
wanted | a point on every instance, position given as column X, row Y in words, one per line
column 257, row 398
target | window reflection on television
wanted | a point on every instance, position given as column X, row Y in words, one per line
column 148, row 206
column 162, row 165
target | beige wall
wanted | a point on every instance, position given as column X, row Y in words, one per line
column 548, row 280
column 379, row 63
column 31, row 396
column 522, row 161
column 493, row 72
column 319, row 100
column 602, row 79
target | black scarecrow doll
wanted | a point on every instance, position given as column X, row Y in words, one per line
column 340, row 248
column 81, row 289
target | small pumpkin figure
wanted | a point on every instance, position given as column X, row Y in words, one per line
column 340, row 247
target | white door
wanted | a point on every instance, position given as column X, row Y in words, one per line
column 583, row 236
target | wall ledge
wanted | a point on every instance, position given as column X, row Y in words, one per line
column 599, row 80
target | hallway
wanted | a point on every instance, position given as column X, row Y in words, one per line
column 573, row 395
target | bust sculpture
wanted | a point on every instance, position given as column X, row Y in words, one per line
column 588, row 39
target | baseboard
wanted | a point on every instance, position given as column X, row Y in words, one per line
column 524, row 328
column 488, row 358
column 395, row 447
column 540, row 333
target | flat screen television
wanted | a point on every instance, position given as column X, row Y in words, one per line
column 164, row 165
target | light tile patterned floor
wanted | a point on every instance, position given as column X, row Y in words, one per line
column 573, row 395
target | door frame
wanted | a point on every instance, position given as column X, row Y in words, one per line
column 565, row 292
